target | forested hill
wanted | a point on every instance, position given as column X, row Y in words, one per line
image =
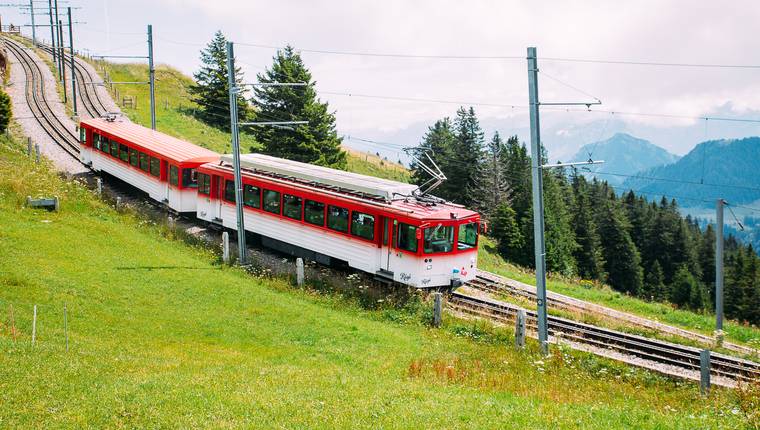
column 623, row 154
column 728, row 169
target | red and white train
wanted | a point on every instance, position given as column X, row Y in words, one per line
column 327, row 215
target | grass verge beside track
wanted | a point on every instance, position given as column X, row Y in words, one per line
column 161, row 335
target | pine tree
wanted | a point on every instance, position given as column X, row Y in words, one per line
column 316, row 142
column 493, row 189
column 560, row 237
column 654, row 286
column 622, row 260
column 507, row 233
column 438, row 143
column 211, row 89
column 5, row 111
column 686, row 291
column 588, row 255
column 466, row 157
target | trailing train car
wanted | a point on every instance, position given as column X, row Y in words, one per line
column 333, row 217
column 161, row 165
column 371, row 224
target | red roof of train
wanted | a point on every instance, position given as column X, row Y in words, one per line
column 170, row 147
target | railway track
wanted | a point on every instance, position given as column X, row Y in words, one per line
column 88, row 95
column 40, row 106
column 650, row 350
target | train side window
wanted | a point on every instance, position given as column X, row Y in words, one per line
column 173, row 175
column 189, row 178
column 114, row 148
column 407, row 237
column 82, row 135
column 363, row 225
column 251, row 196
column 272, row 201
column 155, row 167
column 103, row 144
column 204, row 184
column 314, row 212
column 229, row 191
column 144, row 162
column 124, row 153
column 337, row 218
column 291, row 206
column 468, row 236
column 438, row 239
column 133, row 160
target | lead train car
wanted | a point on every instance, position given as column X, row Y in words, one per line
column 374, row 225
column 156, row 163
column 331, row 216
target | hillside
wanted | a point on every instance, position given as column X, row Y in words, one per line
column 728, row 169
column 162, row 336
column 623, row 154
column 174, row 116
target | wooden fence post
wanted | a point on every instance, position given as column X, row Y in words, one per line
column 299, row 272
column 520, row 329
column 226, row 247
column 437, row 308
column 704, row 367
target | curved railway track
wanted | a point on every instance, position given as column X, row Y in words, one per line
column 40, row 106
column 652, row 350
column 88, row 94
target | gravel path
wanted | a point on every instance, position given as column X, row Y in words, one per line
column 62, row 161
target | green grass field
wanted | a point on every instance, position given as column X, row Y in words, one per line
column 161, row 335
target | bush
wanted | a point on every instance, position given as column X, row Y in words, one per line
column 5, row 111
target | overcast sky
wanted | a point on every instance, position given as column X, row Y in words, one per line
column 657, row 31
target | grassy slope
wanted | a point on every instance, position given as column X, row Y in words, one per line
column 171, row 86
column 162, row 336
column 173, row 116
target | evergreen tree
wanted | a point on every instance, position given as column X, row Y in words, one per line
column 707, row 260
column 211, row 88
column 588, row 254
column 506, row 232
column 5, row 111
column 560, row 237
column 622, row 260
column 316, row 142
column 493, row 188
column 654, row 286
column 686, row 291
column 466, row 157
column 438, row 143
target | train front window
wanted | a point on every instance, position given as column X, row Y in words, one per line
column 272, row 201
column 291, row 206
column 439, row 239
column 251, row 196
column 407, row 237
column 363, row 225
column 189, row 178
column 337, row 218
column 468, row 236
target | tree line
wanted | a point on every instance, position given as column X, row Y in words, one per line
column 639, row 247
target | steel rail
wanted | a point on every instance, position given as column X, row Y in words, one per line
column 91, row 100
column 39, row 104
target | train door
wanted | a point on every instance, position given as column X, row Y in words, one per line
column 385, row 254
column 219, row 187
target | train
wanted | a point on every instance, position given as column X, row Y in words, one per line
column 378, row 226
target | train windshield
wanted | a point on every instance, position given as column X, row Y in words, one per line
column 439, row 239
column 468, row 236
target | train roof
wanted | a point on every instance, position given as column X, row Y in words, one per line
column 391, row 195
column 170, row 147
column 383, row 188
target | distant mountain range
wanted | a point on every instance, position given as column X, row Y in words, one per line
column 623, row 155
column 726, row 168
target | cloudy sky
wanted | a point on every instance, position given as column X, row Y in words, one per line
column 646, row 31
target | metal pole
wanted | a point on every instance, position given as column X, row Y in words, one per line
column 538, row 200
column 34, row 31
column 152, row 72
column 236, row 152
column 719, row 265
column 73, row 74
column 61, row 55
column 52, row 29
column 704, row 372
column 58, row 38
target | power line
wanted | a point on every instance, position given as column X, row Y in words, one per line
column 680, row 181
column 424, row 100
column 652, row 63
column 657, row 115
column 390, row 55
